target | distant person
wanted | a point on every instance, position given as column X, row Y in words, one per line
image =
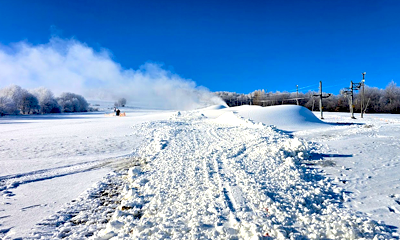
column 115, row 109
column 117, row 112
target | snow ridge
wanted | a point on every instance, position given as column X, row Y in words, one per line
column 206, row 179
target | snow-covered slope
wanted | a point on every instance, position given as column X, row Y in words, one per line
column 215, row 173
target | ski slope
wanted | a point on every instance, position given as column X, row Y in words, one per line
column 213, row 173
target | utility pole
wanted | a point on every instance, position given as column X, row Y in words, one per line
column 362, row 94
column 321, row 96
column 350, row 91
column 297, row 94
column 351, row 100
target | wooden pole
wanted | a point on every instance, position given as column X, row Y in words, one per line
column 362, row 95
column 351, row 100
column 320, row 99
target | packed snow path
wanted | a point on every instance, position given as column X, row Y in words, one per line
column 206, row 178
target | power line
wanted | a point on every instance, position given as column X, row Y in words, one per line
column 334, row 85
column 304, row 87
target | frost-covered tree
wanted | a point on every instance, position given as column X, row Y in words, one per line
column 7, row 105
column 15, row 94
column 29, row 103
column 259, row 96
column 391, row 98
column 372, row 96
column 375, row 101
column 235, row 99
column 47, row 102
column 71, row 102
column 15, row 99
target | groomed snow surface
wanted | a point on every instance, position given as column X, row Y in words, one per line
column 216, row 173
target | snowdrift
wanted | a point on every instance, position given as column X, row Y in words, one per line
column 215, row 107
column 285, row 117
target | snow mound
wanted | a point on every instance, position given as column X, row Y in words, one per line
column 215, row 107
column 285, row 117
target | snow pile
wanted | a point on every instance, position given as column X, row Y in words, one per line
column 214, row 107
column 205, row 180
column 286, row 117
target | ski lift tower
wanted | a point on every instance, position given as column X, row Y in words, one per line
column 350, row 91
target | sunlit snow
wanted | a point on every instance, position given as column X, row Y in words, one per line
column 215, row 173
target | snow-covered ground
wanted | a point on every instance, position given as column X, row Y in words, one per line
column 214, row 173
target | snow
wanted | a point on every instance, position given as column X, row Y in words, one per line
column 285, row 117
column 365, row 161
column 48, row 160
column 240, row 173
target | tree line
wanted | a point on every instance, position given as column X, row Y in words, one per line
column 375, row 100
column 16, row 100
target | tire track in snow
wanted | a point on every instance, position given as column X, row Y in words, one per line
column 13, row 181
column 234, row 197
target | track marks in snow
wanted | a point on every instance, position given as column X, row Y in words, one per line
column 92, row 211
column 13, row 181
column 202, row 180
column 217, row 181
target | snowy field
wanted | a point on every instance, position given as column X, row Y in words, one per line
column 215, row 173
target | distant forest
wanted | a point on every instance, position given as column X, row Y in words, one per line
column 375, row 100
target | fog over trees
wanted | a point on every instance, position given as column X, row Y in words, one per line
column 376, row 100
column 16, row 100
column 120, row 103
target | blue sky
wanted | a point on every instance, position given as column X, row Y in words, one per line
column 237, row 46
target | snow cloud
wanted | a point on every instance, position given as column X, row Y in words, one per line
column 68, row 65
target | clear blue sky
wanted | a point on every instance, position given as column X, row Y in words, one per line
column 237, row 46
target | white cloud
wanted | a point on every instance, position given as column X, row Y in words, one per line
column 69, row 65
